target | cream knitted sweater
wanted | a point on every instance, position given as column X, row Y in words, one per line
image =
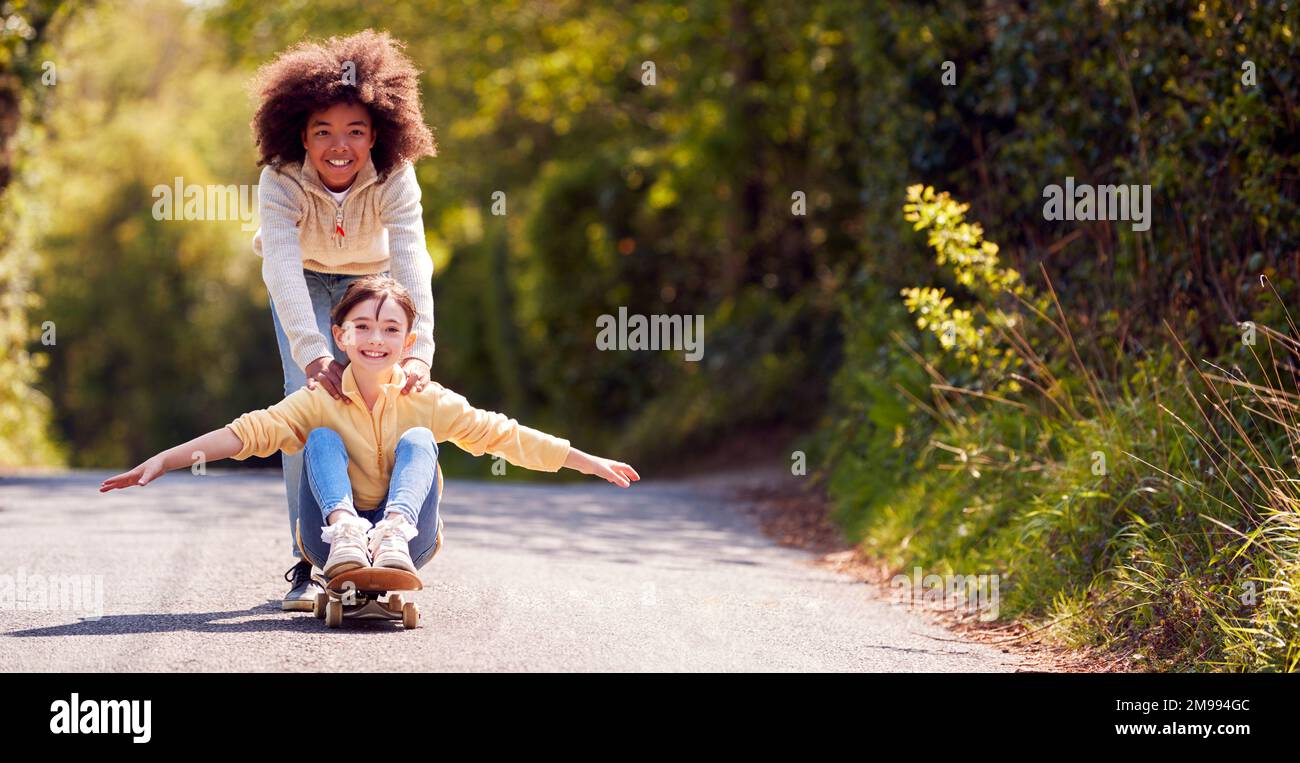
column 378, row 227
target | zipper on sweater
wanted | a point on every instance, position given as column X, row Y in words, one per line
column 338, row 227
column 377, row 429
column 379, row 442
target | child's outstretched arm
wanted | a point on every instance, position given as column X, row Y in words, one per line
column 213, row 446
column 477, row 431
column 284, row 427
column 615, row 471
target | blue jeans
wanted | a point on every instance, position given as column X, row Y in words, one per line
column 414, row 490
column 326, row 290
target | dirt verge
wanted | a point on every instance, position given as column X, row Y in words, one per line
column 796, row 513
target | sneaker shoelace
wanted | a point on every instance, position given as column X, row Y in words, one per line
column 387, row 532
column 343, row 530
column 298, row 574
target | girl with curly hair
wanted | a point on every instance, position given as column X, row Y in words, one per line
column 338, row 128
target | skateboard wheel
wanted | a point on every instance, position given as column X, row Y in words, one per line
column 410, row 615
column 395, row 602
column 318, row 605
column 333, row 613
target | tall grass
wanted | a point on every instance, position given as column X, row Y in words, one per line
column 1149, row 510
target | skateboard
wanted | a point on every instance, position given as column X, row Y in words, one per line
column 356, row 594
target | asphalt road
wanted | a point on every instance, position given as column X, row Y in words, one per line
column 665, row 576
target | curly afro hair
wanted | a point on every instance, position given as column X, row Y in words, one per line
column 309, row 77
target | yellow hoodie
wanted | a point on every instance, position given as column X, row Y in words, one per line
column 371, row 436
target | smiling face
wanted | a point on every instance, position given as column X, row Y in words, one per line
column 338, row 142
column 374, row 335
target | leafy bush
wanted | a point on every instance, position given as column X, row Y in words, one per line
column 1122, row 510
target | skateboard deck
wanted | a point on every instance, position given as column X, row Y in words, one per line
column 356, row 594
column 374, row 580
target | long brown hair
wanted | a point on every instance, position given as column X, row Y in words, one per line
column 380, row 286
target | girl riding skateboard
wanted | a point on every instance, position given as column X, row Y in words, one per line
column 338, row 127
column 370, row 462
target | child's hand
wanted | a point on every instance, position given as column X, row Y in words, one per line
column 417, row 375
column 141, row 475
column 328, row 373
column 614, row 471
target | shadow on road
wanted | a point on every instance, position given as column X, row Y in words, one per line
column 201, row 622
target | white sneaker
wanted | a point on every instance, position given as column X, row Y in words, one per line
column 347, row 539
column 390, row 544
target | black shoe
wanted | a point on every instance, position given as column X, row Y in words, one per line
column 302, row 588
